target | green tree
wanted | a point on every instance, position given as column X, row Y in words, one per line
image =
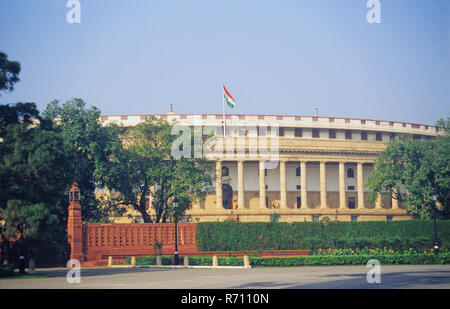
column 147, row 161
column 421, row 167
column 92, row 144
column 9, row 73
column 17, row 113
column 33, row 176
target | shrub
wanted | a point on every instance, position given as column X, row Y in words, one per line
column 259, row 236
column 6, row 270
column 314, row 260
column 394, row 259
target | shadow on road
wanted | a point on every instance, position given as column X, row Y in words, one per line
column 398, row 280
column 90, row 272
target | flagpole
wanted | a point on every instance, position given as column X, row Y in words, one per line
column 223, row 113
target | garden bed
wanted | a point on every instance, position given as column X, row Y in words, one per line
column 312, row 260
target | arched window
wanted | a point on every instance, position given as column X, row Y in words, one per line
column 225, row 171
column 350, row 173
column 297, row 171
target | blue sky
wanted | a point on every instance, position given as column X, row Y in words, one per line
column 283, row 57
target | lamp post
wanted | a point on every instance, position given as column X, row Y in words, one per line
column 175, row 216
column 436, row 243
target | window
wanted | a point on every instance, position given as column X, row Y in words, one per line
column 392, row 136
column 351, row 203
column 315, row 218
column 389, row 218
column 350, row 173
column 351, row 188
column 265, row 172
column 315, row 133
column 281, row 132
column 348, row 134
column 299, row 202
column 364, row 135
column 298, row 132
column 378, row 136
column 332, row 134
column 354, row 218
column 262, row 131
column 297, row 171
column 298, row 187
column 267, row 202
column 225, row 171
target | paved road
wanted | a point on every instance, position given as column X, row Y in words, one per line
column 337, row 277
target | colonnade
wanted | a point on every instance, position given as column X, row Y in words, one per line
column 303, row 185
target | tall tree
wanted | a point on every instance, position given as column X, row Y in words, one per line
column 147, row 161
column 9, row 73
column 92, row 146
column 34, row 173
column 421, row 167
column 17, row 113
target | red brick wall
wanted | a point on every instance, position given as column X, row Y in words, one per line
column 100, row 239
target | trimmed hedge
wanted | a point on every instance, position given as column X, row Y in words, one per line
column 259, row 236
column 324, row 260
column 313, row 260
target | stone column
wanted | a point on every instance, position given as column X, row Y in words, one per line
column 241, row 184
column 360, row 188
column 219, row 191
column 394, row 200
column 283, row 184
column 304, row 195
column 323, row 186
column 342, row 185
column 378, row 202
column 262, row 185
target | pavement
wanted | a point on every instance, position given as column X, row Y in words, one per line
column 321, row 277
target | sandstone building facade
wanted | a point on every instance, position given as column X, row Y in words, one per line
column 313, row 167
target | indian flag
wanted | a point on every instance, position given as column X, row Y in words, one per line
column 228, row 98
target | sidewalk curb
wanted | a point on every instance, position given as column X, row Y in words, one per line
column 180, row 266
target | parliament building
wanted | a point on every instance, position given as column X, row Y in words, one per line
column 297, row 168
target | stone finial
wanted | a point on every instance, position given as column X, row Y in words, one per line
column 171, row 111
column 215, row 261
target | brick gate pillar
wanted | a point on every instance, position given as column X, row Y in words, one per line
column 75, row 225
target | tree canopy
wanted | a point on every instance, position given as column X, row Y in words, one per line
column 9, row 73
column 92, row 144
column 146, row 161
column 422, row 167
column 34, row 173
